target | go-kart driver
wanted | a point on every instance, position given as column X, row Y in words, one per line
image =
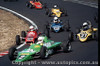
column 32, row 28
column 40, row 40
column 86, row 25
column 56, row 20
column 55, row 7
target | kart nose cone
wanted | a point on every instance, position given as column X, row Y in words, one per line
column 56, row 31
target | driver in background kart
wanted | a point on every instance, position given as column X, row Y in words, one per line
column 86, row 25
column 56, row 20
column 31, row 28
column 55, row 7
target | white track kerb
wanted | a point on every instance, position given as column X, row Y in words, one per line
column 27, row 19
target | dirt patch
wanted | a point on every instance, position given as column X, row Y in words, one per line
column 10, row 26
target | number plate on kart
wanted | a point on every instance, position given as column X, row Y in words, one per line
column 56, row 28
column 83, row 35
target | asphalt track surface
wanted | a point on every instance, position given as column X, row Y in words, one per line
column 77, row 14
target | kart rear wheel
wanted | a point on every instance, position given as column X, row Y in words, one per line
column 47, row 11
column 43, row 52
column 30, row 6
column 67, row 47
column 18, row 42
column 23, row 34
column 67, row 26
column 47, row 31
column 96, row 19
column 65, row 13
column 70, row 36
column 95, row 35
column 12, row 54
column 27, row 4
column 49, row 14
column 62, row 10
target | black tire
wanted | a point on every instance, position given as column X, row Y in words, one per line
column 43, row 52
column 27, row 4
column 77, row 30
column 30, row 6
column 67, row 26
column 95, row 35
column 56, row 49
column 47, row 11
column 45, row 5
column 49, row 14
column 18, row 42
column 62, row 10
column 65, row 13
column 96, row 19
column 23, row 34
column 70, row 36
column 66, row 46
column 47, row 32
column 11, row 53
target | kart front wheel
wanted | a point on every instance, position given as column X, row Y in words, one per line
column 67, row 46
column 70, row 36
column 77, row 30
column 43, row 52
column 18, row 42
column 95, row 35
column 45, row 5
column 12, row 54
column 23, row 34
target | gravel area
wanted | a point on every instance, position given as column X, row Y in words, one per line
column 10, row 26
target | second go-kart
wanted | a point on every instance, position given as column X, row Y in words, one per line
column 42, row 48
column 29, row 37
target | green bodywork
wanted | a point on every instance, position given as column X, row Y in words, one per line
column 29, row 53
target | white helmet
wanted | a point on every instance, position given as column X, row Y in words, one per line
column 31, row 27
column 55, row 6
column 55, row 18
column 40, row 39
column 85, row 24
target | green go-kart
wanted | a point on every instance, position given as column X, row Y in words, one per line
column 43, row 50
